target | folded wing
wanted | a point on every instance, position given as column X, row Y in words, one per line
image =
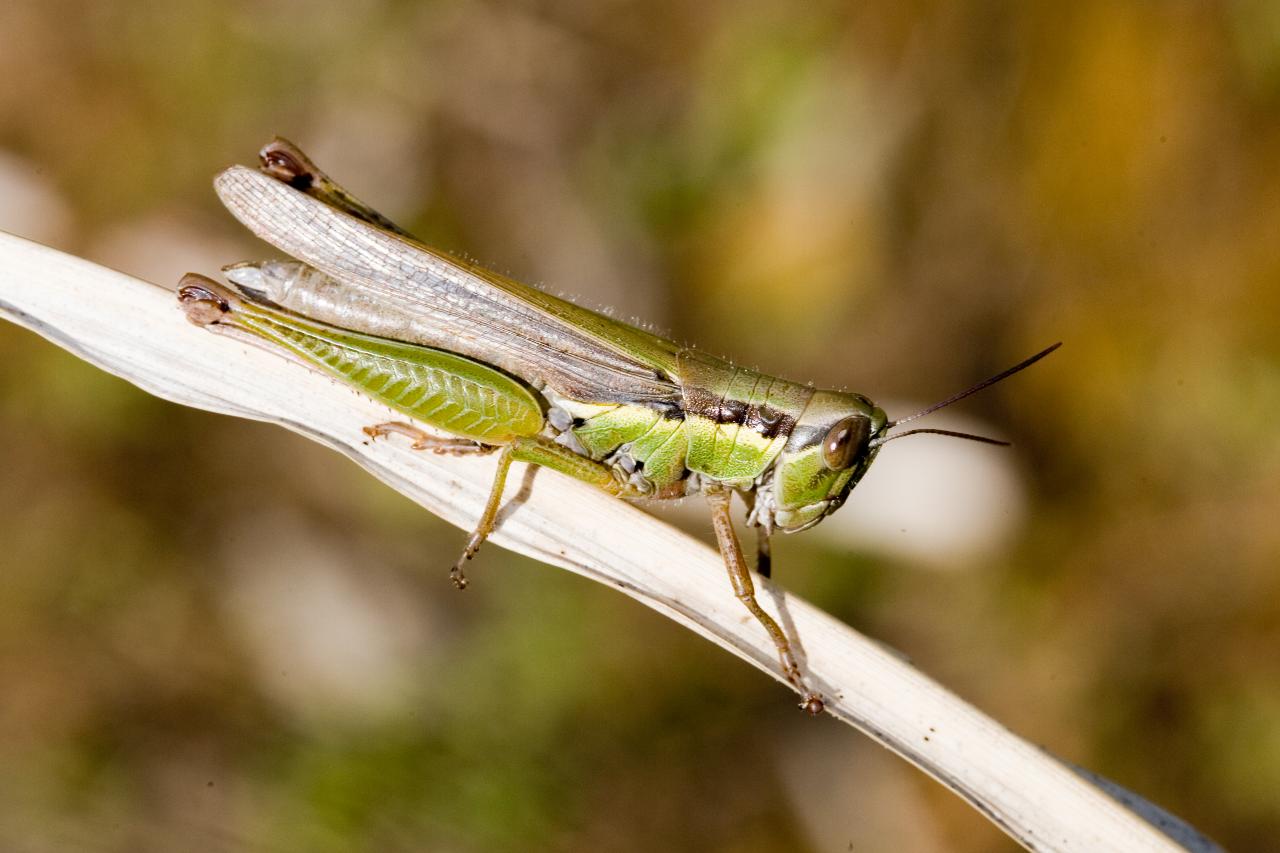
column 397, row 288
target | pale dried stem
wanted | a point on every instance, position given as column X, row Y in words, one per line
column 135, row 330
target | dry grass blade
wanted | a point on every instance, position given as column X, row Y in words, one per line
column 1036, row 799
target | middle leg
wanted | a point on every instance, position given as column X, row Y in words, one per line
column 530, row 449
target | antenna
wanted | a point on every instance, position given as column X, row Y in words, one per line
column 970, row 436
column 986, row 383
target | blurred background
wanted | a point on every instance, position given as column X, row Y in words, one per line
column 897, row 198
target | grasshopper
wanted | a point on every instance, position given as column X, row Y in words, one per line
column 504, row 368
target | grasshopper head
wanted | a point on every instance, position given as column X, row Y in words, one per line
column 833, row 444
column 830, row 449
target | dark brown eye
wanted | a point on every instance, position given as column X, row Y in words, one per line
column 844, row 442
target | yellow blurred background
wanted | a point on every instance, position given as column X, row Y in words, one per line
column 215, row 635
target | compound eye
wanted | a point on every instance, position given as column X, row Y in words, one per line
column 845, row 442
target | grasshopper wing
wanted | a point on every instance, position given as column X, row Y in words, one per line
column 400, row 289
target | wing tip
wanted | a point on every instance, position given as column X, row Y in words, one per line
column 237, row 178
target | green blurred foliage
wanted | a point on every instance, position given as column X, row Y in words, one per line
column 894, row 197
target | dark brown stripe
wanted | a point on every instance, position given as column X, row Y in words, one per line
column 769, row 422
column 669, row 411
column 730, row 412
column 713, row 407
column 763, row 418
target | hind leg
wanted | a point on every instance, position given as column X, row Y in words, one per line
column 426, row 441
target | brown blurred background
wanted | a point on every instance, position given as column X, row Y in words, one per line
column 899, row 198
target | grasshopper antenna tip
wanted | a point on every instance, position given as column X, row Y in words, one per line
column 968, row 392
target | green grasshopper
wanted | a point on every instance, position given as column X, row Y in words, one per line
column 502, row 367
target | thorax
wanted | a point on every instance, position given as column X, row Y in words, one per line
column 730, row 426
